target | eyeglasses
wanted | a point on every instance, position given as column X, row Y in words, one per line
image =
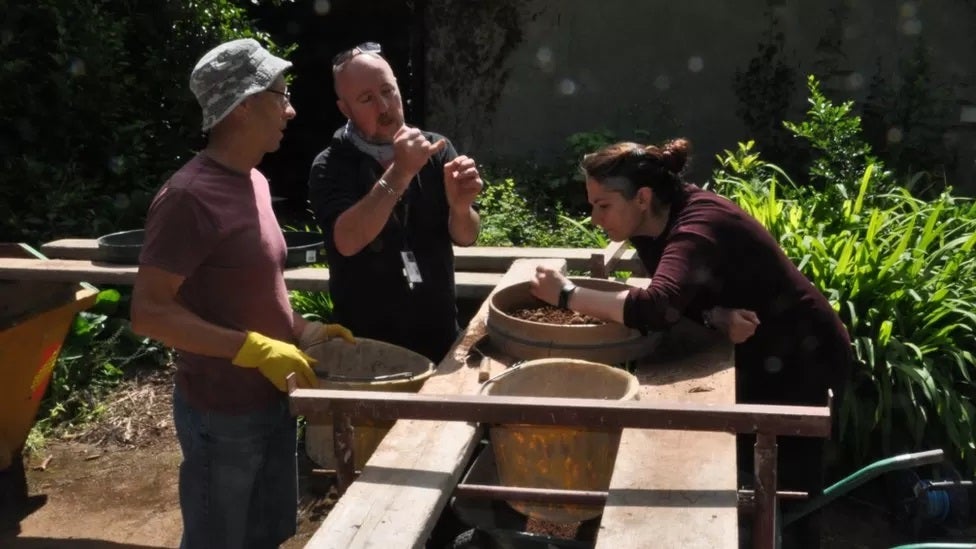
column 365, row 47
column 286, row 94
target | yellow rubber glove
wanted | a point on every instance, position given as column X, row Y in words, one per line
column 275, row 360
column 340, row 331
column 316, row 332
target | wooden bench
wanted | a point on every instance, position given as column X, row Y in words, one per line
column 667, row 485
column 677, row 488
column 479, row 269
column 478, row 259
column 469, row 285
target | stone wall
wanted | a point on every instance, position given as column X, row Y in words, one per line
column 512, row 79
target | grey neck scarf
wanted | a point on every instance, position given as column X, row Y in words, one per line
column 381, row 152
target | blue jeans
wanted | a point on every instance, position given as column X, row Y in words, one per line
column 239, row 477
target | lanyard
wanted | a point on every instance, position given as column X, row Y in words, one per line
column 405, row 200
column 404, row 227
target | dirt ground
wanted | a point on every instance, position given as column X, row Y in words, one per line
column 112, row 485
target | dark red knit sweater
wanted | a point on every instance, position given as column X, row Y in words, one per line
column 712, row 253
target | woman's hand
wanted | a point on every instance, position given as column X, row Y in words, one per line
column 738, row 324
column 546, row 284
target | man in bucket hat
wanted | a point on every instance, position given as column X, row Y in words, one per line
column 210, row 285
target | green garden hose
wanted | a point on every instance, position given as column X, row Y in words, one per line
column 862, row 476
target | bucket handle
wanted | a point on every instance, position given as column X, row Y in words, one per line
column 516, row 366
column 387, row 377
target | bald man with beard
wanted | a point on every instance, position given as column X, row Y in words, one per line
column 391, row 201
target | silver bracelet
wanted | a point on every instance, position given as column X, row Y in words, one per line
column 388, row 188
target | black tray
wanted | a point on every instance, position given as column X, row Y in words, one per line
column 122, row 247
column 304, row 248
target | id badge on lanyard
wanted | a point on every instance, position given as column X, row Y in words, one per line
column 410, row 268
column 411, row 271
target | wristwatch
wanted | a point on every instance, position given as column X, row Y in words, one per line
column 564, row 293
column 708, row 320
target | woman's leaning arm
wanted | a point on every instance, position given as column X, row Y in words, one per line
column 600, row 304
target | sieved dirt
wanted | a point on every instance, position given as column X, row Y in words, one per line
column 554, row 529
column 548, row 314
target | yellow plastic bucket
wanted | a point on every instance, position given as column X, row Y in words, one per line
column 369, row 365
column 562, row 458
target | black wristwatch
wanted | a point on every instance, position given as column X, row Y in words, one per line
column 707, row 319
column 564, row 293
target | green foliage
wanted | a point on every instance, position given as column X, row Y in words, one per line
column 835, row 134
column 96, row 110
column 98, row 348
column 583, row 143
column 508, row 219
column 906, row 121
column 765, row 91
column 898, row 271
column 312, row 305
column 561, row 183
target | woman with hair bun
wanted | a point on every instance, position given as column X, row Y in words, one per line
column 713, row 263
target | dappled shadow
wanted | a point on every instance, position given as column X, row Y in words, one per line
column 16, row 509
column 55, row 543
column 686, row 352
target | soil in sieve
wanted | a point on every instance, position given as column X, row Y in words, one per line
column 554, row 315
column 555, row 529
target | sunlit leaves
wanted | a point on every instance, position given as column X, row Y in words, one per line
column 897, row 269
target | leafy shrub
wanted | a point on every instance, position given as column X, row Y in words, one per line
column 508, row 219
column 897, row 269
column 765, row 89
column 97, row 349
column 841, row 152
column 95, row 108
column 908, row 118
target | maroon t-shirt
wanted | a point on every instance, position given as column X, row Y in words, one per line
column 216, row 228
column 712, row 253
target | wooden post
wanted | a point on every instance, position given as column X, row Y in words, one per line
column 764, row 529
column 342, row 438
column 603, row 264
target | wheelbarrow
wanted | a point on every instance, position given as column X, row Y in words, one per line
column 35, row 316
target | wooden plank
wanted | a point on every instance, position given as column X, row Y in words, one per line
column 650, row 413
column 469, row 285
column 472, row 258
column 71, row 248
column 603, row 263
column 677, row 488
column 66, row 270
column 21, row 299
column 407, row 482
column 489, row 259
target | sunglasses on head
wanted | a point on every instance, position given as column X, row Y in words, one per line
column 365, row 47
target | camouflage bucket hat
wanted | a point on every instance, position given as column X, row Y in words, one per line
column 231, row 72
